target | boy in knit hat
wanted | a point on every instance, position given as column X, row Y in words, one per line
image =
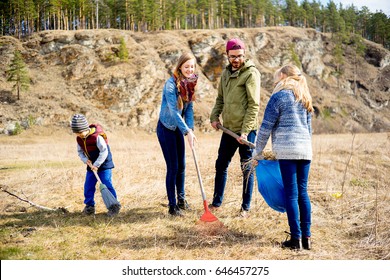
column 94, row 151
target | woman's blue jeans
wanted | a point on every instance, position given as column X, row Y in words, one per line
column 90, row 185
column 173, row 148
column 295, row 174
column 227, row 148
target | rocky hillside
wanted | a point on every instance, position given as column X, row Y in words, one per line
column 79, row 71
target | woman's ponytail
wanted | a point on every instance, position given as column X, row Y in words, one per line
column 297, row 83
column 305, row 93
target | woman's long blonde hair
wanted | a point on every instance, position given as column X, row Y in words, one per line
column 296, row 82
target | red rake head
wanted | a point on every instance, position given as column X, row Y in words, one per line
column 209, row 224
column 208, row 217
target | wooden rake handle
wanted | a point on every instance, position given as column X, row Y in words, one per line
column 231, row 133
column 198, row 173
column 96, row 175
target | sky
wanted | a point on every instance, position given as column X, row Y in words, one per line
column 372, row 5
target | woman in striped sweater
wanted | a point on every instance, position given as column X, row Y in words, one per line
column 287, row 119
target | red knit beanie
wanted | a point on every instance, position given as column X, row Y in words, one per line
column 234, row 44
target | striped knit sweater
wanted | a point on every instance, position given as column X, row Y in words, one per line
column 289, row 123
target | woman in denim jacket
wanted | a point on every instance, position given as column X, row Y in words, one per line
column 176, row 120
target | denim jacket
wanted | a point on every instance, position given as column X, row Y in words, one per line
column 170, row 115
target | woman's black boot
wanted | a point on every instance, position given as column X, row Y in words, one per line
column 183, row 204
column 293, row 244
column 175, row 211
column 306, row 243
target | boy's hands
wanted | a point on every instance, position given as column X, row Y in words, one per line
column 94, row 168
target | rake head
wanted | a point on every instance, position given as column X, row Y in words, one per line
column 207, row 215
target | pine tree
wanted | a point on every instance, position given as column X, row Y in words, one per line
column 333, row 20
column 294, row 56
column 350, row 18
column 359, row 48
column 379, row 28
column 291, row 12
column 123, row 52
column 338, row 56
column 17, row 73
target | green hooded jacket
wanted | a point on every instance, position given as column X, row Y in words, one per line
column 238, row 99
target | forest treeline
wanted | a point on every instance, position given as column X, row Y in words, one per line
column 23, row 17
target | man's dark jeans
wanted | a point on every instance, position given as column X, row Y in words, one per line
column 227, row 149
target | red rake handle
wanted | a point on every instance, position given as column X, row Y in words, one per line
column 231, row 133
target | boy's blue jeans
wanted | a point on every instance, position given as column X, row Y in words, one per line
column 173, row 148
column 226, row 151
column 295, row 174
column 90, row 185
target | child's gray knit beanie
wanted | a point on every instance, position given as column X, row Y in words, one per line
column 79, row 123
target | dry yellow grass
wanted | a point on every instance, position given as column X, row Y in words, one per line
column 350, row 203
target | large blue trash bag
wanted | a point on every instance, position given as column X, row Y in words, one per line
column 270, row 184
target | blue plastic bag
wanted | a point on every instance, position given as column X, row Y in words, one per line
column 270, row 184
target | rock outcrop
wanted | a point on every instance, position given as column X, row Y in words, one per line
column 79, row 71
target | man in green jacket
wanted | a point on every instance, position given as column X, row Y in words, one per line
column 238, row 103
